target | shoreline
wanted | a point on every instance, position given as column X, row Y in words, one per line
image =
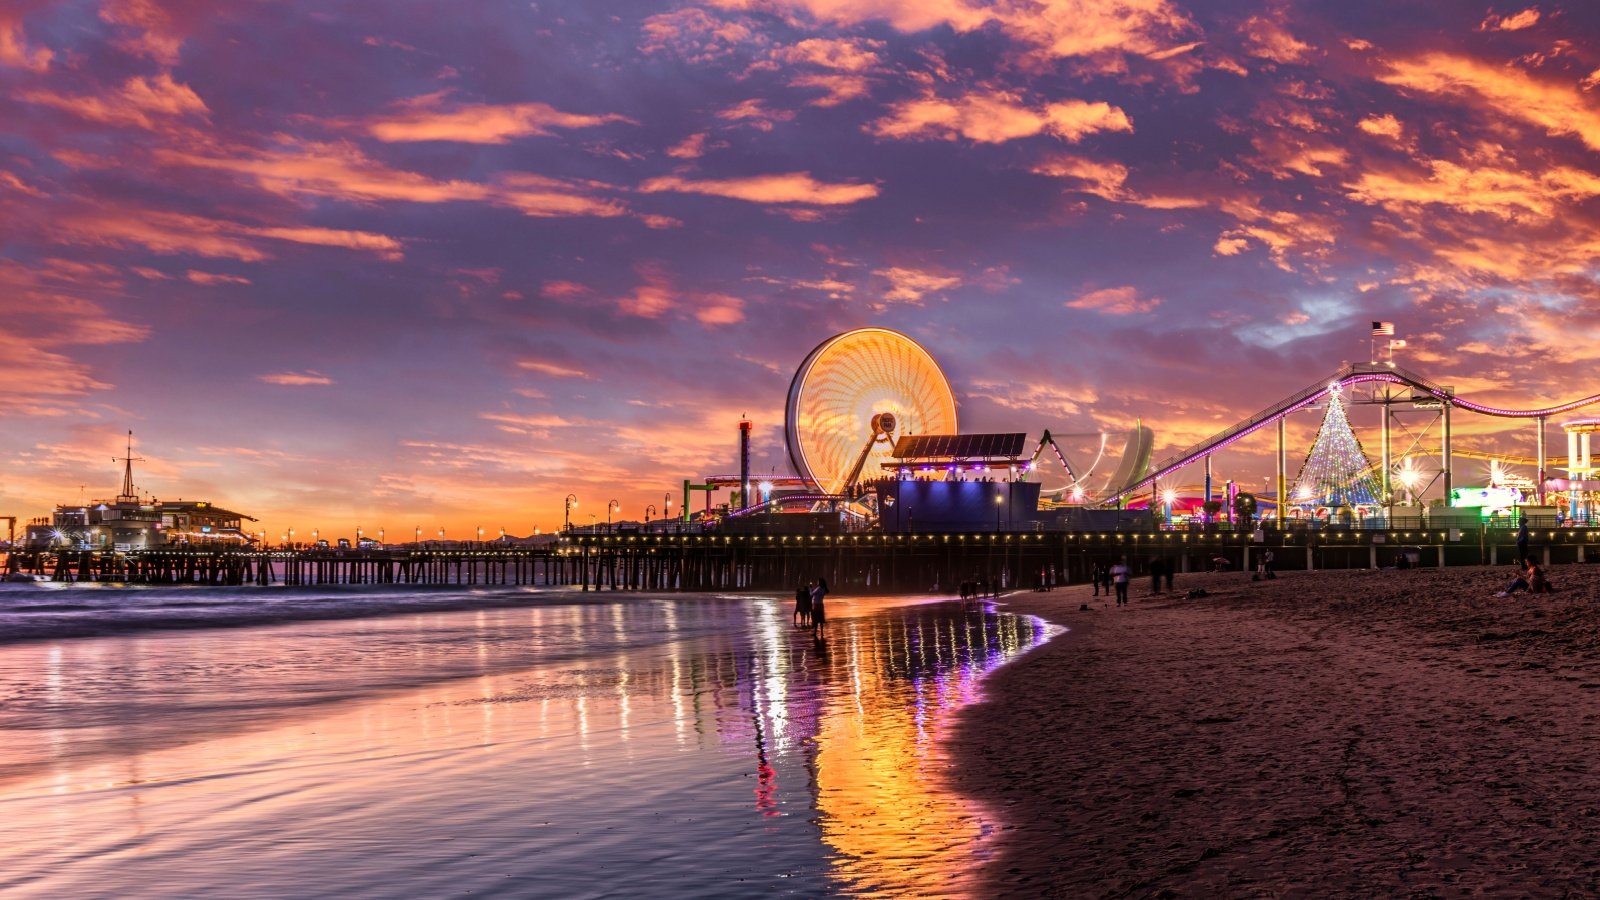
column 1330, row 733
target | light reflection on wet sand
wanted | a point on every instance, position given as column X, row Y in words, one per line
column 691, row 746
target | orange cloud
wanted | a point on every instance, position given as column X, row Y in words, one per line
column 296, row 379
column 555, row 370
column 718, row 309
column 214, row 278
column 1514, row 22
column 1286, row 156
column 905, row 15
column 1488, row 184
column 430, row 118
column 696, row 34
column 1117, row 301
column 1107, row 180
column 754, row 113
column 11, row 182
column 150, row 29
column 691, row 147
column 45, row 312
column 172, row 234
column 650, row 300
column 1087, row 28
column 1100, row 179
column 341, row 170
column 563, row 290
column 1385, row 125
column 836, row 87
column 841, row 54
column 381, row 244
column 1501, row 92
column 139, row 102
column 531, row 425
column 791, row 187
column 908, row 285
column 160, row 232
column 994, row 117
column 1268, row 37
column 14, row 49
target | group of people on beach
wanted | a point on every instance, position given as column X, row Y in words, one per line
column 1112, row 577
column 810, row 610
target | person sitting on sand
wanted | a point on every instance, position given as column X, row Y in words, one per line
column 1530, row 579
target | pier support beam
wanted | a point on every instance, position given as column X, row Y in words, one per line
column 1449, row 477
column 1538, row 485
column 1386, row 442
column 1283, row 470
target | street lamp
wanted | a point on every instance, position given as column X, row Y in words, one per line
column 998, row 501
column 611, row 507
column 572, row 500
column 648, row 512
column 667, row 499
column 419, row 535
column 480, row 534
column 291, row 536
column 380, row 536
column 441, row 534
column 1167, row 497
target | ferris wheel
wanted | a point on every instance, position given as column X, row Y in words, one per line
column 852, row 395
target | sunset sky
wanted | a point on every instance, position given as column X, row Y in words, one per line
column 412, row 264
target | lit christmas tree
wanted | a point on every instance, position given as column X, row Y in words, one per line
column 1336, row 471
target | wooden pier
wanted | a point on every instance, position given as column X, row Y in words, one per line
column 858, row 563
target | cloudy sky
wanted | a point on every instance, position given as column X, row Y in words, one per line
column 437, row 264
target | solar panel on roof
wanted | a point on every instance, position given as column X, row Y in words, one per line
column 960, row 446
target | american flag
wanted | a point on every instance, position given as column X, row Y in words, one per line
column 1380, row 329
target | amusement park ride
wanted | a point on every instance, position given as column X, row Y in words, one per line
column 871, row 433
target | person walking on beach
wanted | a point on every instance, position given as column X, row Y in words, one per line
column 1096, row 576
column 1167, row 567
column 1155, row 577
column 1267, row 560
column 1119, row 578
column 819, row 614
column 1523, row 536
column 802, row 605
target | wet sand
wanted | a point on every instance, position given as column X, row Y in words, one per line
column 1346, row 733
column 671, row 745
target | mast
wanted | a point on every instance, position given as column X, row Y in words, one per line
column 128, row 495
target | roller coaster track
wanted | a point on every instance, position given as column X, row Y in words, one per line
column 1350, row 376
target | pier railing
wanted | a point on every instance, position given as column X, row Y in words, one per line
column 855, row 562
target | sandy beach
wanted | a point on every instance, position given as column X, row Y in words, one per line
column 1342, row 733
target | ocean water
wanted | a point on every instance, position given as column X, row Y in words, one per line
column 554, row 745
